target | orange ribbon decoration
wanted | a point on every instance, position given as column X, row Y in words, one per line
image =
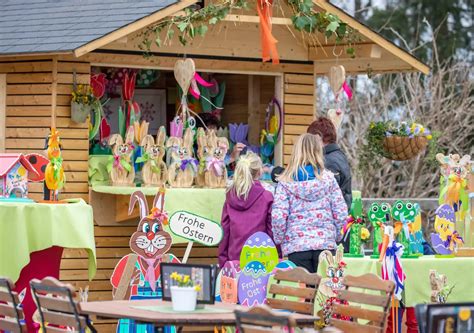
column 452, row 195
column 269, row 50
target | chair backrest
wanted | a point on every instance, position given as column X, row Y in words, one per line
column 380, row 298
column 11, row 314
column 261, row 319
column 307, row 294
column 59, row 311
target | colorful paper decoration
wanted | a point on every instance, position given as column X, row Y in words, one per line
column 54, row 174
column 453, row 191
column 229, row 276
column 446, row 240
column 271, row 133
column 390, row 255
column 15, row 170
column 120, row 164
column 130, row 108
column 268, row 41
column 252, row 283
column 403, row 215
column 416, row 236
column 379, row 216
column 137, row 275
column 440, row 290
column 331, row 284
column 259, row 247
column 215, row 175
column 354, row 225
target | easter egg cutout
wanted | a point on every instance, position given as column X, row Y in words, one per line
column 284, row 265
column 252, row 284
column 229, row 276
column 444, row 227
column 259, row 247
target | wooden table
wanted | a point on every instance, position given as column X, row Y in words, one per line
column 127, row 309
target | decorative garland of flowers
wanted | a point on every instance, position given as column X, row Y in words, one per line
column 196, row 23
column 373, row 149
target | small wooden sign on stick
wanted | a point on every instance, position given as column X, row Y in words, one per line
column 195, row 228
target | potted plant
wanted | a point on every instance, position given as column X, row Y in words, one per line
column 183, row 292
column 81, row 103
column 398, row 142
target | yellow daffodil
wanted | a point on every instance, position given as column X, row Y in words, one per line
column 186, row 279
column 372, row 125
column 364, row 234
column 174, row 275
column 197, row 287
column 429, row 137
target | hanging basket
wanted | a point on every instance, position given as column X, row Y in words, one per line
column 79, row 112
column 403, row 148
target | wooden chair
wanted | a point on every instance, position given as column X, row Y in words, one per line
column 11, row 313
column 307, row 293
column 377, row 319
column 58, row 310
column 261, row 319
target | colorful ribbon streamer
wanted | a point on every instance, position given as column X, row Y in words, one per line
column 269, row 50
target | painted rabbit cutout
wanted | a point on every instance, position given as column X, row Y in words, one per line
column 183, row 167
column 154, row 172
column 216, row 171
column 439, row 287
column 120, row 166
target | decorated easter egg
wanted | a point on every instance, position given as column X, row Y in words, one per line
column 252, row 284
column 259, row 247
column 229, row 275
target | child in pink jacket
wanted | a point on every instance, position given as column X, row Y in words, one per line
column 247, row 208
column 308, row 210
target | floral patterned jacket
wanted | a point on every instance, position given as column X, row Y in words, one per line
column 308, row 215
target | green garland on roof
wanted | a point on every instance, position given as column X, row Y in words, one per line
column 197, row 22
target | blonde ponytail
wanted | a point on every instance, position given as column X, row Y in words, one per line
column 248, row 168
column 308, row 150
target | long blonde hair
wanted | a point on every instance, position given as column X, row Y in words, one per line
column 308, row 150
column 248, row 168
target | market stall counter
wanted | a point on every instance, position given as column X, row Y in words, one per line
column 458, row 270
column 32, row 238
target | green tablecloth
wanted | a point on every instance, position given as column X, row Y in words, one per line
column 459, row 271
column 205, row 202
column 31, row 227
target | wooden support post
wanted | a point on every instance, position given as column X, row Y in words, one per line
column 254, row 109
column 279, row 95
column 3, row 110
column 187, row 252
column 54, row 92
column 315, row 93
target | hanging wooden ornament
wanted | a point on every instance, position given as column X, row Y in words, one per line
column 184, row 71
column 337, row 77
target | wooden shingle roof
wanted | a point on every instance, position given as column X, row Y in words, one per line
column 56, row 26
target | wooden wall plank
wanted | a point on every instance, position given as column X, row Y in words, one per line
column 3, row 110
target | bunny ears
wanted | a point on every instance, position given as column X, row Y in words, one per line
column 331, row 260
column 157, row 211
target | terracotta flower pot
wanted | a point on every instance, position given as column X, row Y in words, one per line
column 402, row 148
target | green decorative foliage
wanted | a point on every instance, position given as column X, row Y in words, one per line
column 196, row 23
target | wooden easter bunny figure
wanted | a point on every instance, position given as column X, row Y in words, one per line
column 154, row 172
column 137, row 275
column 183, row 167
column 202, row 155
column 216, row 171
column 439, row 287
column 120, row 166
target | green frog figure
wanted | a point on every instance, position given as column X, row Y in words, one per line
column 403, row 215
column 379, row 216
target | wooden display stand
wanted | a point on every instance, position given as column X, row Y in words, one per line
column 468, row 249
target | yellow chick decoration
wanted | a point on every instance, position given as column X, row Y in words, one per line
column 54, row 174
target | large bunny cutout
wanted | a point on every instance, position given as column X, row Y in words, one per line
column 137, row 275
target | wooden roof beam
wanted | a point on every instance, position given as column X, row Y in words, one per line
column 256, row 19
column 132, row 27
column 364, row 66
column 372, row 51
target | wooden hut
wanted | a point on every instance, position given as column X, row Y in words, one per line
column 46, row 45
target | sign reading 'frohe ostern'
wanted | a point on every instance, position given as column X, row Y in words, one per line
column 195, row 228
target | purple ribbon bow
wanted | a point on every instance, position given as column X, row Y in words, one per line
column 192, row 162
